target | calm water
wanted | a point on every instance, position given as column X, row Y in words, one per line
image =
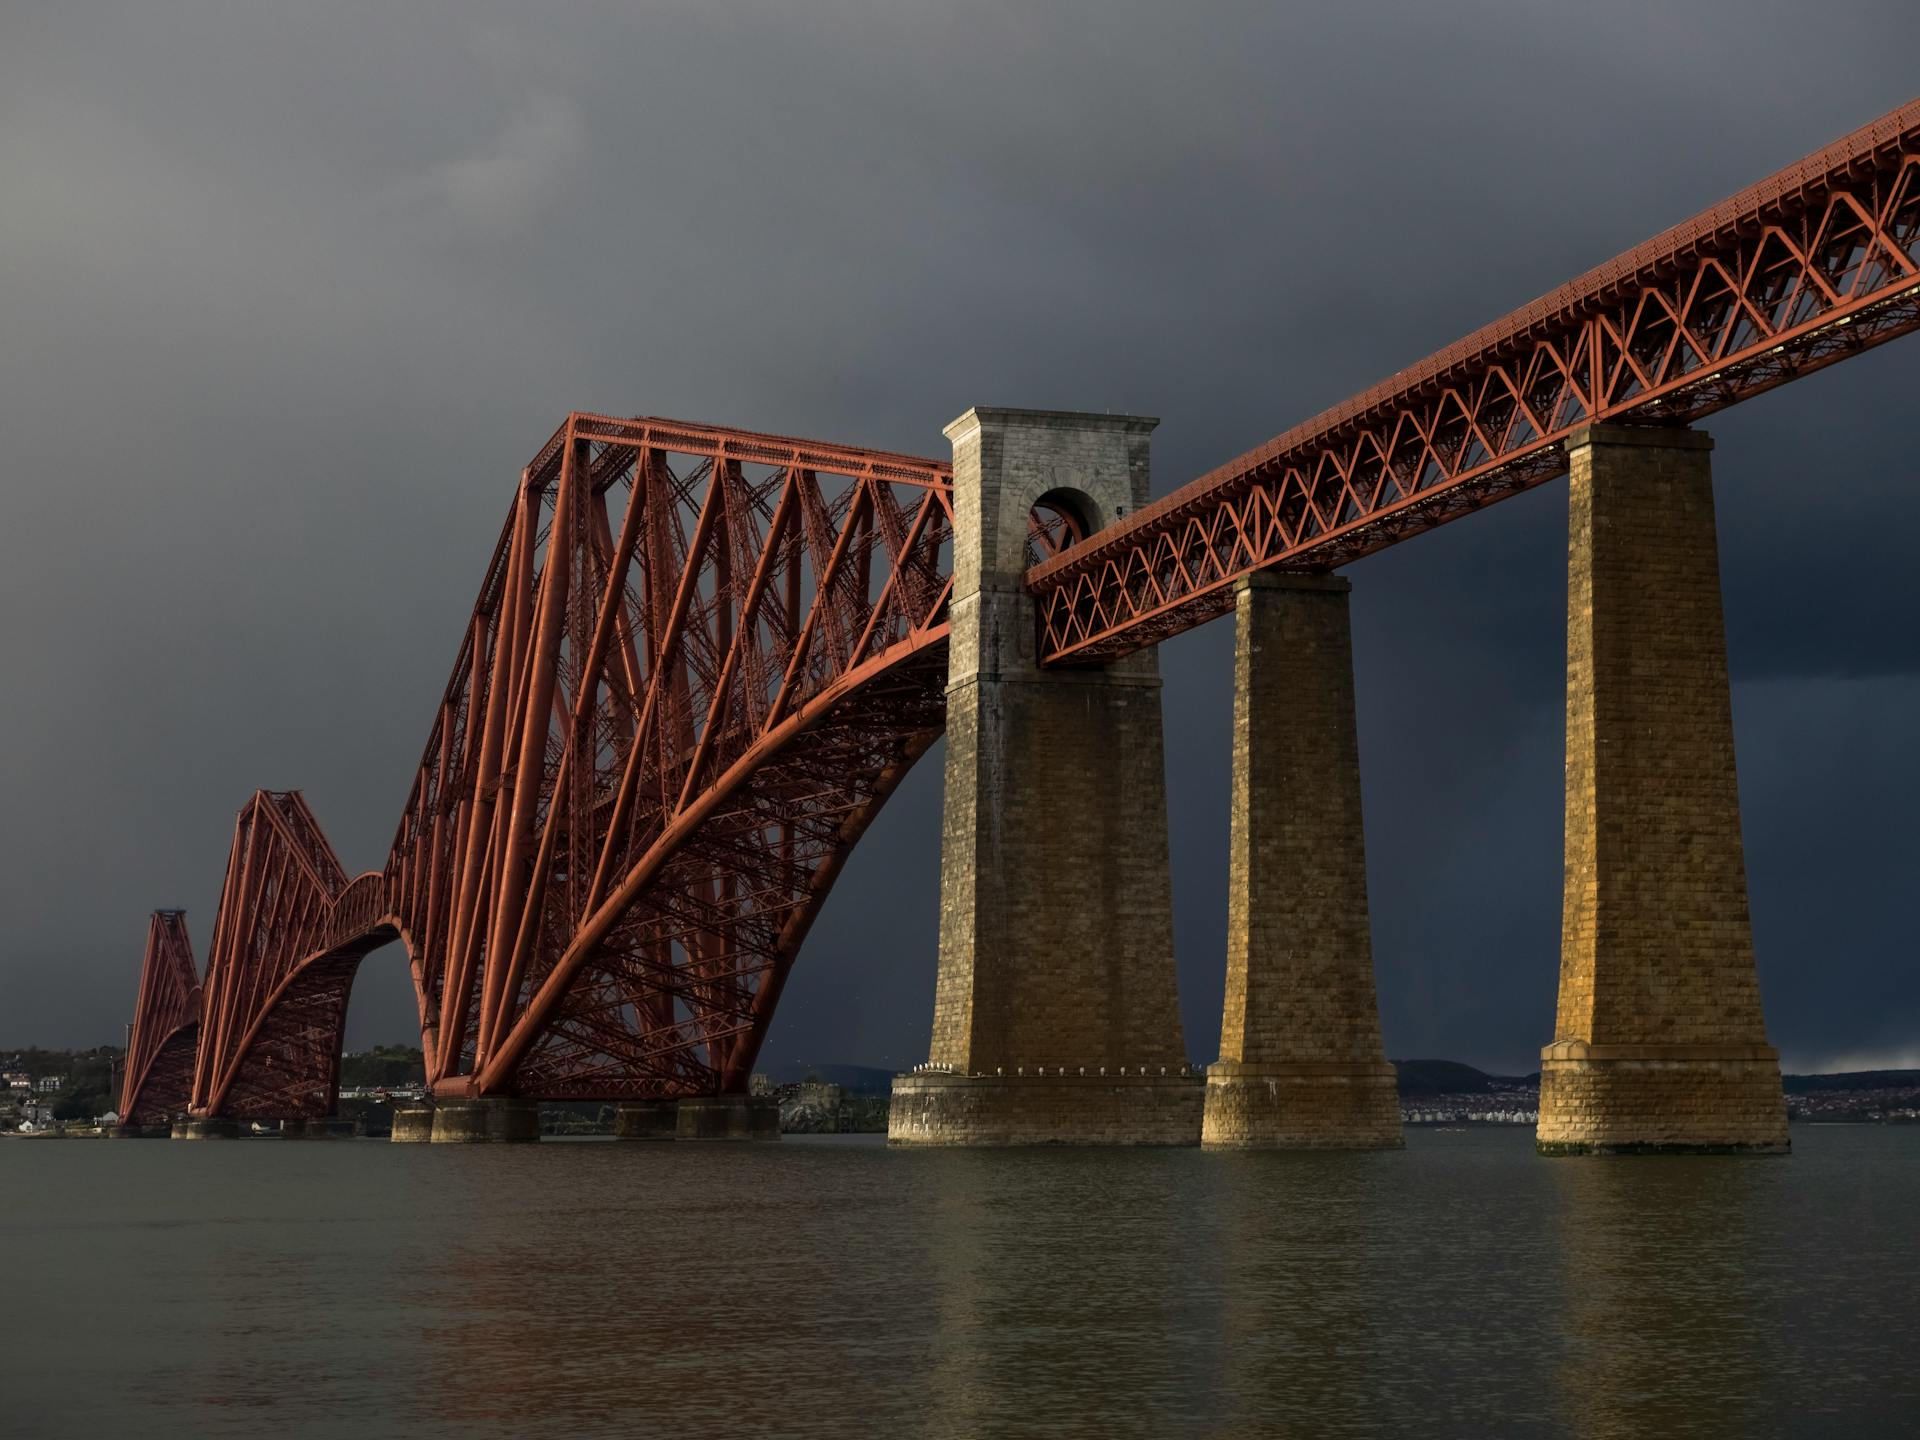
column 834, row 1287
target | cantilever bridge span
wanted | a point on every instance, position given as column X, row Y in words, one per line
column 701, row 659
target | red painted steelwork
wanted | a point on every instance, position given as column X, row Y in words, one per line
column 700, row 662
column 1815, row 264
column 166, row 1025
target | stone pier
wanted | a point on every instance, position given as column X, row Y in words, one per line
column 652, row 1119
column 1301, row 1062
column 412, row 1124
column 205, row 1127
column 332, row 1127
column 1056, row 1018
column 1659, row 1043
column 493, row 1119
column 727, row 1117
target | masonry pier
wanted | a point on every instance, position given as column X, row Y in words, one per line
column 650, row 1119
column 1301, row 1062
column 331, row 1127
column 205, row 1127
column 727, row 1117
column 1056, row 1017
column 1659, row 1043
column 491, row 1119
column 412, row 1124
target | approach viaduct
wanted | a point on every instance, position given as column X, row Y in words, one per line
column 702, row 659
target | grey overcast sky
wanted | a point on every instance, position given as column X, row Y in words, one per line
column 289, row 292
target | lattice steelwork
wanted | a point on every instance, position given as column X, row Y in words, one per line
column 166, row 1027
column 1815, row 264
column 713, row 698
column 269, row 1036
column 700, row 662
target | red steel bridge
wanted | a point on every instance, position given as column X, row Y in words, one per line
column 701, row 659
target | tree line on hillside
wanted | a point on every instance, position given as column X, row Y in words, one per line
column 92, row 1077
column 384, row 1067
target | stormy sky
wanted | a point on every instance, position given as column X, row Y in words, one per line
column 288, row 294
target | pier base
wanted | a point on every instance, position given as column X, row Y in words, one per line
column 1339, row 1105
column 1661, row 1100
column 194, row 1127
column 933, row 1108
column 332, row 1127
column 412, row 1124
column 492, row 1120
column 728, row 1117
column 653, row 1120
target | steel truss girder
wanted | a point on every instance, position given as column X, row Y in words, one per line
column 1819, row 262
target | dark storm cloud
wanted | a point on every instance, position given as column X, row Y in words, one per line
column 288, row 294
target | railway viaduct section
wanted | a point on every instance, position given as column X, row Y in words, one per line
column 702, row 659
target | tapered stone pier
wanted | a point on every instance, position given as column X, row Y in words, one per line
column 1659, row 1043
column 1056, row 1018
column 1301, row 1062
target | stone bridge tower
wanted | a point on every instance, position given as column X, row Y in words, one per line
column 1056, row 1014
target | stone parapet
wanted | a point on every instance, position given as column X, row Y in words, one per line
column 933, row 1108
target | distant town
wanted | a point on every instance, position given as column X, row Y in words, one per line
column 74, row 1092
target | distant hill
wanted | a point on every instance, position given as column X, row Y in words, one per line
column 860, row 1079
column 1852, row 1080
column 1450, row 1077
column 383, row 1065
column 1416, row 1077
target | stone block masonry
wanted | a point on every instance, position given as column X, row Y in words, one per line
column 1301, row 1061
column 485, row 1120
column 933, row 1108
column 1659, row 1041
column 1056, row 914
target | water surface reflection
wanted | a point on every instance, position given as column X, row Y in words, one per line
column 1464, row 1287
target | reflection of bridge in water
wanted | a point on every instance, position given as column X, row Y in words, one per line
column 702, row 659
